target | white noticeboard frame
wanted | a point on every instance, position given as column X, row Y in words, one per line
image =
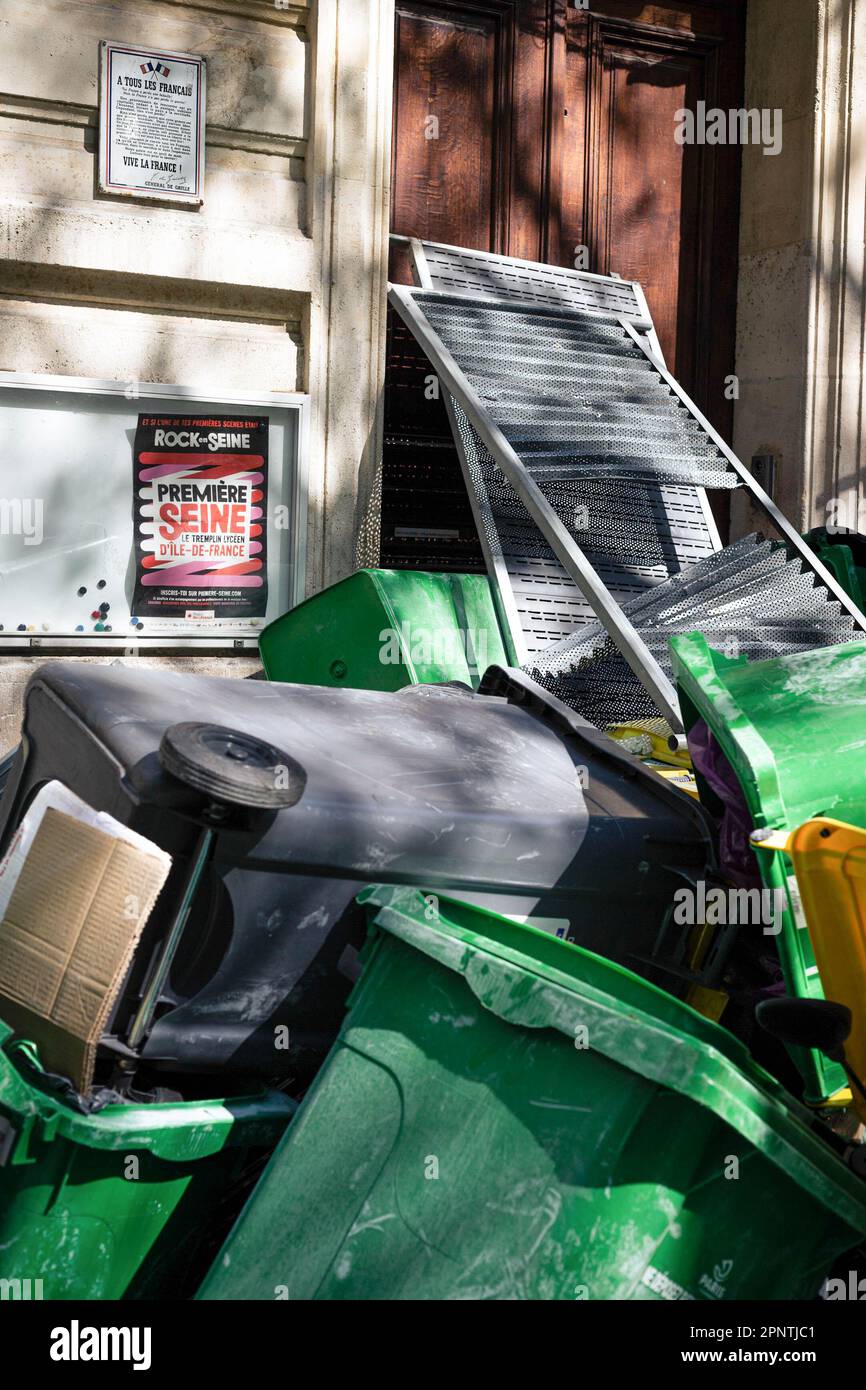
column 151, row 123
column 66, row 478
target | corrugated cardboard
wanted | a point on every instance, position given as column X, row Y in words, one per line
column 77, row 910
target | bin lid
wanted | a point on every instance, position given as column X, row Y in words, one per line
column 793, row 727
column 534, row 980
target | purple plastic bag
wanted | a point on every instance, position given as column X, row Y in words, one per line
column 736, row 856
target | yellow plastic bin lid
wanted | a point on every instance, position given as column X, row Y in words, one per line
column 829, row 859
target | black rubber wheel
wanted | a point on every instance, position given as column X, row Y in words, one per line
column 231, row 766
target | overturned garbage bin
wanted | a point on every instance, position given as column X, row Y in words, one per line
column 116, row 1203
column 506, row 797
column 791, row 730
column 508, row 1116
column 384, row 629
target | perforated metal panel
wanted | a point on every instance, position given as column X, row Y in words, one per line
column 485, row 276
column 754, row 599
column 634, row 534
column 586, row 464
column 575, row 396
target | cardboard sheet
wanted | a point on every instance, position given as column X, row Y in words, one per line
column 75, row 896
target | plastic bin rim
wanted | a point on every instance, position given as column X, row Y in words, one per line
column 772, row 1125
column 170, row 1130
column 400, row 896
column 698, row 675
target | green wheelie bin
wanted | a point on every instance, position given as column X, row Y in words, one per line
column 385, row 629
column 507, row 1116
column 116, row 1203
column 792, row 729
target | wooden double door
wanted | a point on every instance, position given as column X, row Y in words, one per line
column 547, row 130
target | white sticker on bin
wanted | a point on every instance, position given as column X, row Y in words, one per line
column 796, row 901
column 665, row 1287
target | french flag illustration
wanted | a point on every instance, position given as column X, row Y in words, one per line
column 150, row 66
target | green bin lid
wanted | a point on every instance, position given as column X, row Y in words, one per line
column 793, row 727
column 534, row 980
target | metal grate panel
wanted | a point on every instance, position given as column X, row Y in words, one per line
column 754, row 599
column 558, row 407
column 635, row 534
column 486, row 276
column 628, row 424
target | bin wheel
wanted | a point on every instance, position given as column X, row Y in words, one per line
column 231, row 766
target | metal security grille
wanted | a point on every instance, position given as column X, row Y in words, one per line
column 575, row 396
column 755, row 599
column 634, row 534
column 485, row 276
column 587, row 466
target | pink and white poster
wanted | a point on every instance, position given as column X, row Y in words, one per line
column 200, row 537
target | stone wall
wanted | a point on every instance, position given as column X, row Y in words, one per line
column 276, row 284
column 801, row 318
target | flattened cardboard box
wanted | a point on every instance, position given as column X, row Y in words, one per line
column 72, row 924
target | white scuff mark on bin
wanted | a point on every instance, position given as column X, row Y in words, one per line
column 561, row 1105
column 494, row 844
column 258, row 1002
column 374, row 1224
column 317, row 918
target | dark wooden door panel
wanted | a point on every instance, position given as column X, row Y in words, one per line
column 454, row 98
column 645, row 186
column 444, row 160
column 653, row 210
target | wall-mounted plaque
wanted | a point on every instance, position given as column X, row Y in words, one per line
column 151, row 123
